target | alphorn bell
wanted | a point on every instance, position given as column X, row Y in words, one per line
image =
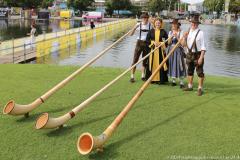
column 46, row 122
column 12, row 108
column 87, row 143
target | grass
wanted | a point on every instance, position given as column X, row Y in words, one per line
column 165, row 122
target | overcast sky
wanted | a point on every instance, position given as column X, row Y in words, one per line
column 192, row 1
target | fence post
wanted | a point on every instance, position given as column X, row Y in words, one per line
column 24, row 53
column 44, row 41
column 13, row 49
column 69, row 41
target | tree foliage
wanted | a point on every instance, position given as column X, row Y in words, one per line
column 47, row 3
column 159, row 5
column 109, row 7
column 234, row 6
column 81, row 5
column 118, row 5
column 214, row 5
column 27, row 3
column 218, row 5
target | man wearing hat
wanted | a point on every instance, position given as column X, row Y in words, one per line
column 195, row 57
column 141, row 47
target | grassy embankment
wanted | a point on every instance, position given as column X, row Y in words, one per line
column 164, row 122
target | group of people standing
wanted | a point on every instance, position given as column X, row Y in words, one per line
column 187, row 57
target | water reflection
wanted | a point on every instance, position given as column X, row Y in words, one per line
column 222, row 57
column 19, row 28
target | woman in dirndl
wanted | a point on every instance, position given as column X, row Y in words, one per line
column 177, row 67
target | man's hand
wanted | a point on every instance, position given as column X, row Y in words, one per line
column 134, row 29
column 200, row 61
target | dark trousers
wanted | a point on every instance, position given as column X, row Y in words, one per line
column 141, row 48
column 192, row 63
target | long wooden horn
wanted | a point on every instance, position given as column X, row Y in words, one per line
column 13, row 108
column 87, row 143
column 46, row 122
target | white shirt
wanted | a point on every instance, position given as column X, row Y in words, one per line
column 200, row 42
column 178, row 34
column 143, row 34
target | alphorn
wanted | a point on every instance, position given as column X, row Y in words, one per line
column 87, row 143
column 13, row 108
column 46, row 122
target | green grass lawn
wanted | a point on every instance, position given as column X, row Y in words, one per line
column 164, row 122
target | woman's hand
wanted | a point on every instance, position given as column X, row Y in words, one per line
column 185, row 35
column 174, row 34
column 157, row 44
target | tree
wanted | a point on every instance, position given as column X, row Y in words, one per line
column 156, row 5
column 118, row 5
column 81, row 5
column 234, row 6
column 109, row 7
column 136, row 10
column 214, row 5
column 13, row 3
column 159, row 5
column 23, row 3
column 47, row 3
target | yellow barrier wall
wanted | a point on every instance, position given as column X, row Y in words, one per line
column 50, row 42
column 85, row 37
column 65, row 14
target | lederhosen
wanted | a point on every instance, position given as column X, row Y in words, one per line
column 192, row 60
column 141, row 47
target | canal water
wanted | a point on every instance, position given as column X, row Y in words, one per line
column 222, row 57
column 18, row 28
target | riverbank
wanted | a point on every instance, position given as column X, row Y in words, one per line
column 22, row 50
column 164, row 122
column 209, row 22
column 18, row 17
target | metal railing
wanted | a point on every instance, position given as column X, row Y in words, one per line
column 21, row 53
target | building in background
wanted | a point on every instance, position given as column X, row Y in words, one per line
column 140, row 3
column 196, row 8
column 60, row 4
column 100, row 5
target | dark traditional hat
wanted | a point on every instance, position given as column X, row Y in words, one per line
column 175, row 21
column 195, row 19
column 145, row 15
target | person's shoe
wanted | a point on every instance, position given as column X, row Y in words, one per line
column 182, row 86
column 161, row 83
column 187, row 89
column 173, row 84
column 132, row 80
column 143, row 79
column 200, row 92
